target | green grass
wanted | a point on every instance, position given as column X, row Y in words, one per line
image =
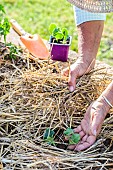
column 35, row 16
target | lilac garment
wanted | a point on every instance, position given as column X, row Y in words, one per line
column 82, row 16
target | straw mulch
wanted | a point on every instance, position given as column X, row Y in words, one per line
column 34, row 96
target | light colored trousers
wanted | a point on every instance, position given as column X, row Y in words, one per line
column 82, row 16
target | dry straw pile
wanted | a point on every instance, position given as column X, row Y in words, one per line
column 34, row 96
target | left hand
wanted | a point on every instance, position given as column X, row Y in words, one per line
column 90, row 125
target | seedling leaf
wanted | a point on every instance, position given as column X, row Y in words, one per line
column 59, row 36
column 50, row 141
column 74, row 139
column 13, row 50
column 48, row 136
column 48, row 133
column 6, row 27
column 56, row 31
column 65, row 33
column 2, row 8
column 68, row 132
column 4, row 24
column 52, row 28
column 1, row 31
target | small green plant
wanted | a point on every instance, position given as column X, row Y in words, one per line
column 59, row 34
column 48, row 136
column 4, row 30
column 4, row 23
column 73, row 138
column 14, row 50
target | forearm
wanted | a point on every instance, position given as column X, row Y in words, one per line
column 89, row 37
column 90, row 28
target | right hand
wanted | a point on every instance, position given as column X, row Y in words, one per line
column 77, row 69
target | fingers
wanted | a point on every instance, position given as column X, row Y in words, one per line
column 72, row 73
column 81, row 133
column 90, row 127
column 72, row 81
column 86, row 142
column 96, row 123
column 84, row 138
column 78, row 129
column 87, row 139
column 71, row 147
column 85, row 126
column 76, row 147
column 65, row 72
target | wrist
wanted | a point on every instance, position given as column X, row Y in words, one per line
column 107, row 97
column 107, row 101
column 106, row 107
column 87, row 62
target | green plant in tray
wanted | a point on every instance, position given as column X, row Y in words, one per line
column 58, row 34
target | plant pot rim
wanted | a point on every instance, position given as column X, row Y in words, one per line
column 60, row 43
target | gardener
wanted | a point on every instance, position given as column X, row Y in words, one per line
column 90, row 28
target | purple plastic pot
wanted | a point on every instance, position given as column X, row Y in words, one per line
column 59, row 52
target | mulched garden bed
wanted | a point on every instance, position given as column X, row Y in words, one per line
column 34, row 96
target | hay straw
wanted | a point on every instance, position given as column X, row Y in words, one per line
column 34, row 96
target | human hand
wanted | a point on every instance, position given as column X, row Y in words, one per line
column 90, row 125
column 77, row 69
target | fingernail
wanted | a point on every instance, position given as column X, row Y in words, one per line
column 94, row 132
column 71, row 88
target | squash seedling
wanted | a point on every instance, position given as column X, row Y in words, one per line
column 48, row 136
column 59, row 42
column 59, row 35
column 73, row 138
column 4, row 24
column 13, row 51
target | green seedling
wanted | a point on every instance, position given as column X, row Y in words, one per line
column 4, row 30
column 48, row 136
column 14, row 51
column 59, row 34
column 2, row 9
column 4, row 24
column 73, row 138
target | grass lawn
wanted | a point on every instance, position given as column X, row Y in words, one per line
column 36, row 15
